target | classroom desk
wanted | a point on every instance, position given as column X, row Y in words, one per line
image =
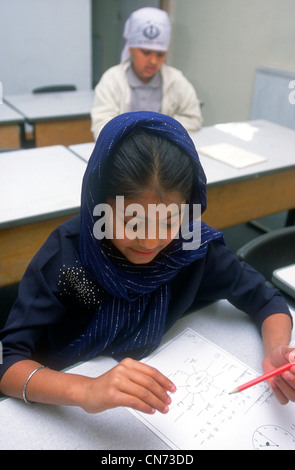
column 58, row 118
column 234, row 196
column 39, row 189
column 43, row 427
column 237, row 196
column 10, row 122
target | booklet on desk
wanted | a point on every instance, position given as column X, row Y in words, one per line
column 231, row 155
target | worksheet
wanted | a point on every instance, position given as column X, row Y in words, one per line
column 203, row 413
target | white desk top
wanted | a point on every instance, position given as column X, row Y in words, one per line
column 47, row 106
column 9, row 115
column 39, row 183
column 61, row 428
column 264, row 138
column 83, row 151
column 275, row 142
column 284, row 279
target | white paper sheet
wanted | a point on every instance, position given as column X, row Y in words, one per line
column 231, row 155
column 203, row 415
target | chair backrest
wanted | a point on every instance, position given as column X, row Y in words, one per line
column 270, row 251
column 273, row 96
column 54, row 88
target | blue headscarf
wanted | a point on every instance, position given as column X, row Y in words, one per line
column 132, row 316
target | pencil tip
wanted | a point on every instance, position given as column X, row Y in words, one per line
column 236, row 390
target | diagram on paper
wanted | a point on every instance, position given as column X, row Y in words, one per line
column 269, row 437
column 203, row 415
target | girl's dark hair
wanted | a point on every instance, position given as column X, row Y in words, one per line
column 146, row 161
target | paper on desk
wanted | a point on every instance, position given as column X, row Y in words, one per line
column 203, row 415
column 231, row 155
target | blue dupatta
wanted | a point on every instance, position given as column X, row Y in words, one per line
column 131, row 319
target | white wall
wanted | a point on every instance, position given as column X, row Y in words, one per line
column 44, row 42
column 219, row 43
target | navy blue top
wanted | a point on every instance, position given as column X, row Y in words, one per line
column 57, row 299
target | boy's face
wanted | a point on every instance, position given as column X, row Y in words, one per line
column 146, row 63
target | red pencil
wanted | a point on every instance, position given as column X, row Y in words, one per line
column 263, row 377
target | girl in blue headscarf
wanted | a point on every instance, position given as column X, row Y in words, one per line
column 113, row 280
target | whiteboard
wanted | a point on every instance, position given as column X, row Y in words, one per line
column 45, row 43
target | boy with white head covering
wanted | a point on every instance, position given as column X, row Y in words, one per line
column 147, row 28
column 143, row 81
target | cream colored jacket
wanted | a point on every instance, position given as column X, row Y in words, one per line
column 112, row 97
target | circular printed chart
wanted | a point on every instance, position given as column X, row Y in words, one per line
column 270, row 437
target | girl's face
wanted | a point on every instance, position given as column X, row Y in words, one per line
column 146, row 63
column 146, row 232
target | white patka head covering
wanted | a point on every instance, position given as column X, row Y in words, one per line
column 147, row 28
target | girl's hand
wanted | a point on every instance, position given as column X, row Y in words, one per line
column 131, row 384
column 283, row 385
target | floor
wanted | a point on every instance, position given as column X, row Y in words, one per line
column 235, row 238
